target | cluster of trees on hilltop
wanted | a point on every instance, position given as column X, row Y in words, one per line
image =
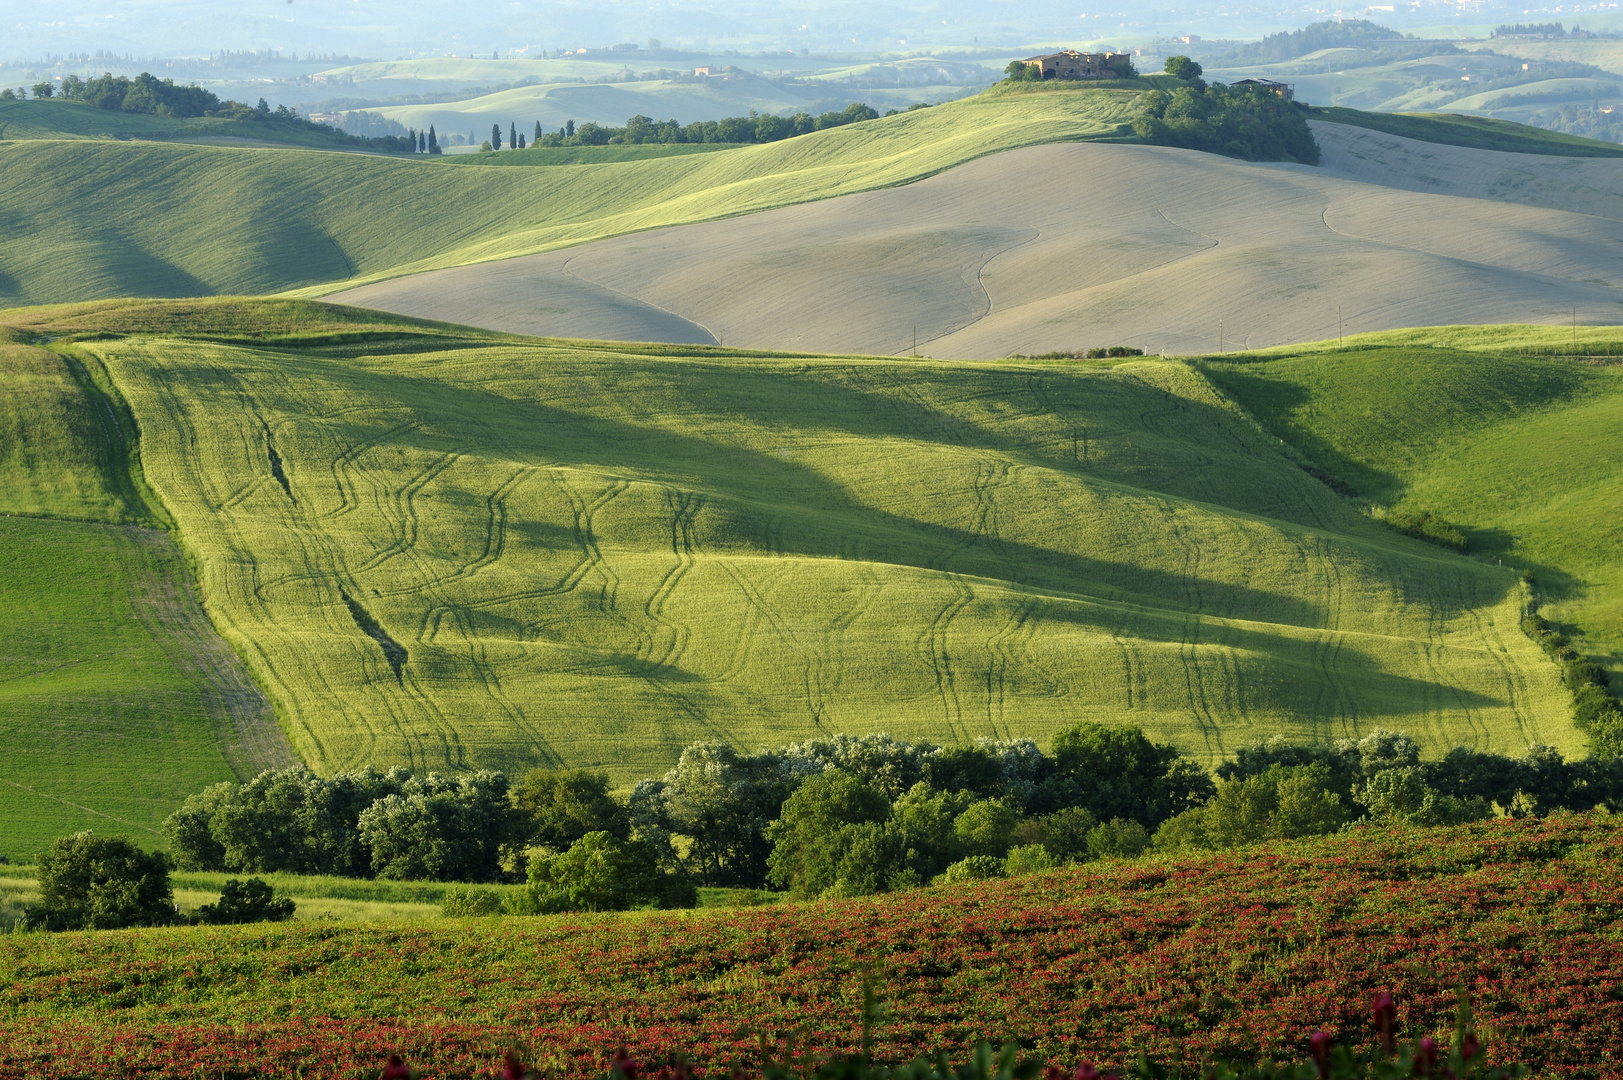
column 1246, row 122
column 149, row 95
column 853, row 815
column 754, row 128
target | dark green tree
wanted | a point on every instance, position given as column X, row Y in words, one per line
column 1119, row 773
column 818, row 826
column 512, row 136
column 569, row 129
column 599, row 872
column 102, row 883
column 563, row 806
column 443, row 828
column 536, row 141
column 495, row 136
column 44, row 89
column 248, row 901
column 1183, row 68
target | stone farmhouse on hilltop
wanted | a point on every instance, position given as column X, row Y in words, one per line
column 1284, row 90
column 1071, row 64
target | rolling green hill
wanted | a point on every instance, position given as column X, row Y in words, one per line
column 1477, row 132
column 460, row 551
column 1516, row 448
column 116, row 697
column 196, row 220
column 28, row 121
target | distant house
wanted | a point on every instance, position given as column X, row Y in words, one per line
column 1284, row 90
column 1071, row 64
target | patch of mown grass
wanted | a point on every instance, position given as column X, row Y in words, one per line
column 105, row 723
column 116, row 698
column 594, row 555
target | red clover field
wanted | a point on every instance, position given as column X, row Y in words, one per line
column 1232, row 956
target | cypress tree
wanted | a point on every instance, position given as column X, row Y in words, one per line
column 433, row 141
column 422, row 143
column 495, row 136
column 569, row 129
column 535, row 141
column 411, row 137
column 512, row 136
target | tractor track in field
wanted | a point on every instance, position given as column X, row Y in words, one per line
column 1000, row 658
column 932, row 644
column 811, row 679
column 348, row 495
column 684, row 507
column 405, row 512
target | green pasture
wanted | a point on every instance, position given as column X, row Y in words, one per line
column 108, row 715
column 116, row 698
column 184, row 220
column 1481, row 428
column 595, row 554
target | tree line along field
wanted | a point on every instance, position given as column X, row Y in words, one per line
column 116, row 697
column 1237, row 956
column 188, row 220
column 455, row 551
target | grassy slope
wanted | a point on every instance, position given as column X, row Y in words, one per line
column 28, row 121
column 1477, row 132
column 1233, row 956
column 597, row 554
column 1517, row 449
column 191, row 220
column 115, row 698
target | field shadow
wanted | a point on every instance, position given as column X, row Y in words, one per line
column 1270, row 402
column 779, row 505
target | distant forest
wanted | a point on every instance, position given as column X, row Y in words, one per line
column 1351, row 34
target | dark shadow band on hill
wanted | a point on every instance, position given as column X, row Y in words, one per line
column 393, row 651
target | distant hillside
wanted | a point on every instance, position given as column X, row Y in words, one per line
column 192, row 220
column 51, row 119
column 1342, row 34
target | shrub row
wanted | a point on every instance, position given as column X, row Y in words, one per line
column 754, row 128
column 89, row 882
column 1596, row 712
column 853, row 815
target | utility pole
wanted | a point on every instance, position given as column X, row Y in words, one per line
column 1575, row 328
column 1220, row 336
column 915, row 339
